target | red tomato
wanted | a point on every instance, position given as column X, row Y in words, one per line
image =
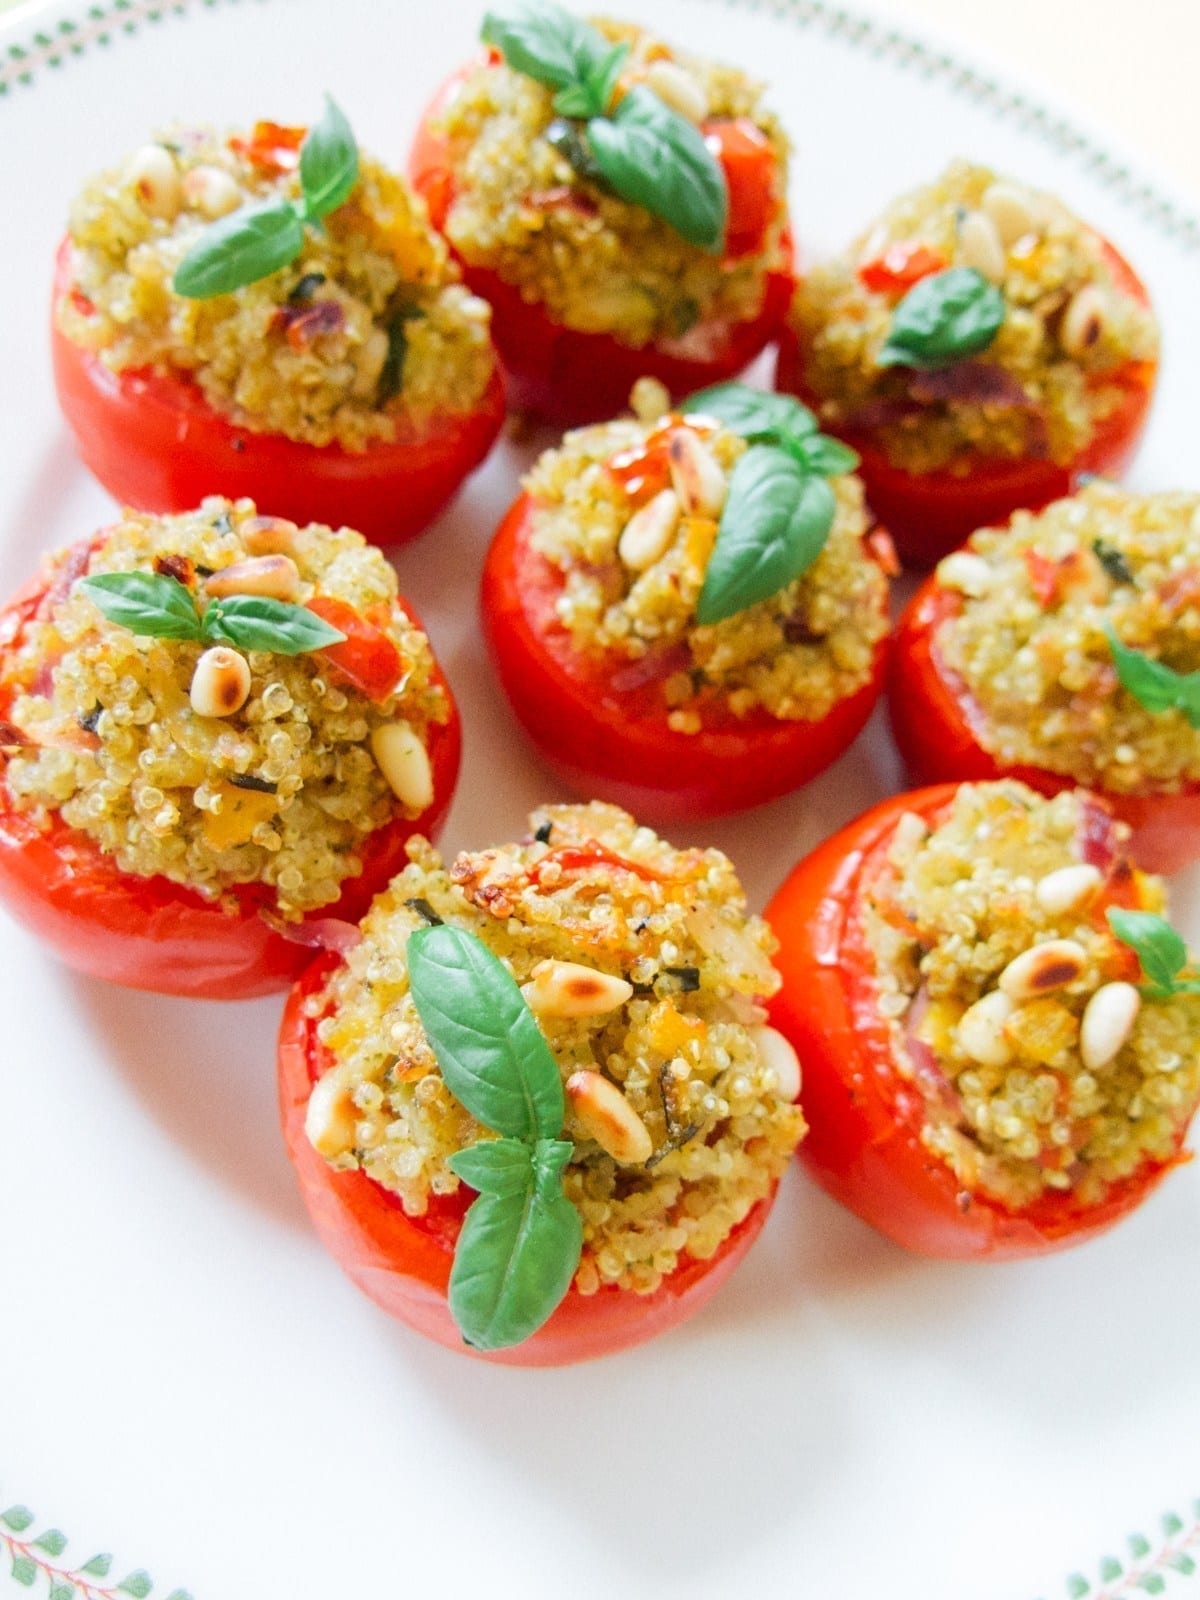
column 403, row 1263
column 570, row 377
column 748, row 162
column 150, row 933
column 931, row 513
column 604, row 730
column 864, row 1144
column 900, row 266
column 156, row 444
column 935, row 720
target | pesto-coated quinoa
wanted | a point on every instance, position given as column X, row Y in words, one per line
column 1029, row 641
column 633, row 599
column 1020, row 1098
column 284, row 791
column 1072, row 339
column 683, row 1042
column 595, row 262
column 365, row 336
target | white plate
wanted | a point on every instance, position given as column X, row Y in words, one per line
column 187, row 1379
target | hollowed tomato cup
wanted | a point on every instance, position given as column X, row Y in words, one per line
column 603, row 728
column 151, row 933
column 155, row 443
column 566, row 376
column 865, row 1115
column 937, row 724
column 403, row 1263
column 929, row 514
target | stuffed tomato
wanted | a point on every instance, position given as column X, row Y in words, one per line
column 1065, row 650
column 270, row 315
column 981, row 349
column 687, row 618
column 622, row 207
column 984, row 1074
column 219, row 731
column 537, row 1113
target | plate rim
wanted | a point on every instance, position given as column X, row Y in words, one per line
column 43, row 37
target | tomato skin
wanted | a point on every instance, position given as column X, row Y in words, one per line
column 560, row 374
column 150, row 933
column 929, row 514
column 403, row 1263
column 935, row 720
column 614, row 743
column 864, row 1144
column 156, row 444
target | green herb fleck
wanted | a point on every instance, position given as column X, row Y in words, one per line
column 1113, row 562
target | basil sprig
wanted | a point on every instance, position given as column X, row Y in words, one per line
column 1152, row 683
column 255, row 241
column 521, row 1239
column 780, row 507
column 1160, row 950
column 156, row 606
column 643, row 150
column 943, row 319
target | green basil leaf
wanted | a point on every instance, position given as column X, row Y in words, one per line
column 545, row 42
column 249, row 244
column 516, row 1255
column 655, row 158
column 591, row 96
column 819, row 453
column 493, row 1056
column 753, row 413
column 1154, row 941
column 775, row 523
column 495, row 1166
column 151, row 604
column 328, row 162
column 1152, row 683
column 254, row 622
column 943, row 319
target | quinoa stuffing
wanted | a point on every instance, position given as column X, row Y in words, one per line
column 281, row 791
column 704, row 1088
column 364, row 337
column 595, row 262
column 1039, row 1073
column 1072, row 343
column 632, row 531
column 1030, row 640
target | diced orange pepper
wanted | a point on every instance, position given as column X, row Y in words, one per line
column 241, row 812
column 670, row 1032
column 900, row 266
column 271, row 147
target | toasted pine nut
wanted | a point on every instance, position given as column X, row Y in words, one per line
column 155, row 177
column 1108, row 1020
column 698, row 480
column 777, row 1055
column 1068, row 888
column 1011, row 209
column 648, row 533
column 966, row 572
column 1084, row 320
column 211, row 191
column 980, row 1032
column 331, row 1118
column 676, row 87
column 404, row 762
column 607, row 1117
column 569, row 989
column 268, row 536
column 1042, row 968
column 276, row 577
column 979, row 246
column 220, row 683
